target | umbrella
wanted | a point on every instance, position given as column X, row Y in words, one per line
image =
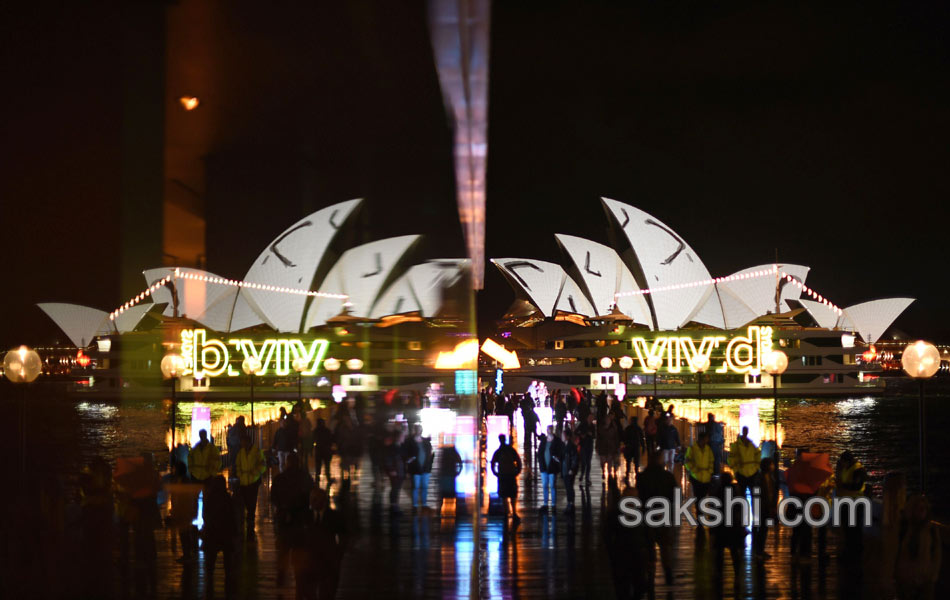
column 808, row 473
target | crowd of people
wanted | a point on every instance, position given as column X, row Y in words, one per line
column 636, row 459
column 584, row 422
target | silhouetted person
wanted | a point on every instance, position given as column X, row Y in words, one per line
column 219, row 534
column 250, row 467
column 633, row 444
column 650, row 430
column 419, row 458
column 656, row 482
column 395, row 464
column 285, row 441
column 318, row 559
column 668, row 438
column 450, row 467
column 233, row 439
column 184, row 510
column 506, row 465
column 549, row 462
column 560, row 413
column 726, row 535
column 767, row 483
column 322, row 449
column 586, row 433
column 570, row 463
column 290, row 495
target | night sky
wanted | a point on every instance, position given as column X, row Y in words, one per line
column 746, row 126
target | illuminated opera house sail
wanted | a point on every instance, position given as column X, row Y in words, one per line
column 649, row 297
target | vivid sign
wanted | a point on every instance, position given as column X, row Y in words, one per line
column 738, row 354
column 209, row 357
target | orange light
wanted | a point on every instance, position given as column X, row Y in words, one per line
column 189, row 102
column 82, row 359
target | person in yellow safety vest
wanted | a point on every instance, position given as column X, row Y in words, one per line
column 250, row 465
column 699, row 465
column 204, row 460
column 744, row 458
column 850, row 478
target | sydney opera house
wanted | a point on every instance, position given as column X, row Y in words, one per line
column 641, row 311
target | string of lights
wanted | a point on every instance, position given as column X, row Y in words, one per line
column 189, row 275
column 773, row 271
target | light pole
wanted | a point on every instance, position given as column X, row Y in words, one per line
column 700, row 364
column 775, row 364
column 921, row 361
column 171, row 367
column 653, row 364
column 22, row 365
column 300, row 365
column 625, row 363
column 251, row 366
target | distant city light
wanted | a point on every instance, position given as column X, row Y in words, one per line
column 189, row 102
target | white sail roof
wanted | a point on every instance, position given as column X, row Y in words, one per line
column 431, row 278
column 420, row 288
column 823, row 315
column 291, row 261
column 541, row 281
column 129, row 319
column 80, row 323
column 665, row 259
column 758, row 293
column 603, row 274
column 360, row 273
column 871, row 319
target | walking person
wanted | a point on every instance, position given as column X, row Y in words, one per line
column 656, row 482
column 204, row 460
column 233, row 438
column 668, row 438
column 322, row 450
column 285, row 441
column 318, row 560
column 218, row 534
column 699, row 466
column 506, row 466
column 184, row 510
column 395, row 465
column 250, row 468
column 550, row 450
column 585, row 432
column 608, row 439
column 650, row 431
column 570, row 462
column 633, row 444
column 419, row 458
column 744, row 460
column 450, row 467
column 290, row 495
column 729, row 536
column 560, row 413
column 304, row 437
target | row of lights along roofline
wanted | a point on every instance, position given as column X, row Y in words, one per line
column 737, row 277
column 179, row 274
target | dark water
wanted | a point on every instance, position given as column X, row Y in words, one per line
column 65, row 433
